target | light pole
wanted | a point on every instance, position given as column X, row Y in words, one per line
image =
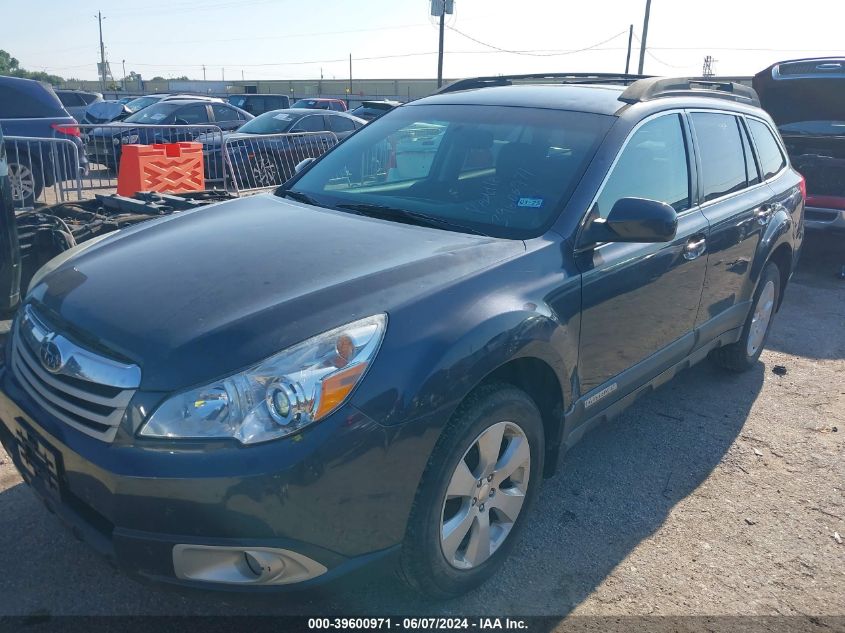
column 124, row 74
column 645, row 36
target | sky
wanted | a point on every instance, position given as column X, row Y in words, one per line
column 283, row 39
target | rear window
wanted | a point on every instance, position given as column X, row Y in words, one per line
column 722, row 158
column 502, row 171
column 29, row 100
column 771, row 158
column 70, row 99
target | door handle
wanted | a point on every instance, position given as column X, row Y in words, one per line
column 695, row 248
column 764, row 214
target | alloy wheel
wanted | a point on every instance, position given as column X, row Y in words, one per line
column 22, row 181
column 265, row 172
column 762, row 316
column 485, row 495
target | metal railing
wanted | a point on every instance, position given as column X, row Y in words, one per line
column 257, row 162
column 42, row 170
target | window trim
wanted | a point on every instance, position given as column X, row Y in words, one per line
column 692, row 173
column 778, row 141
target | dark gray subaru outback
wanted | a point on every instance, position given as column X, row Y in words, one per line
column 386, row 357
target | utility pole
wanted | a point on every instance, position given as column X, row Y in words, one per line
column 708, row 71
column 124, row 74
column 440, row 48
column 350, row 81
column 242, row 75
column 223, row 74
column 102, row 54
column 645, row 36
column 203, row 72
column 628, row 58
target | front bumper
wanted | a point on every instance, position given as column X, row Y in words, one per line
column 336, row 494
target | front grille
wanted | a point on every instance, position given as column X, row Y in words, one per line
column 81, row 388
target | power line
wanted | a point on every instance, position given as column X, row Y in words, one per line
column 532, row 53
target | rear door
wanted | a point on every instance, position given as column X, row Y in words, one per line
column 738, row 205
column 225, row 117
column 640, row 300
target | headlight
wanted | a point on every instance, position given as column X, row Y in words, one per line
column 126, row 140
column 279, row 396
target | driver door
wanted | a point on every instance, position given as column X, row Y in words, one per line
column 640, row 301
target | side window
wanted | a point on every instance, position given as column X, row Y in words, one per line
column 653, row 165
column 70, row 99
column 722, row 158
column 311, row 124
column 752, row 175
column 88, row 98
column 771, row 158
column 192, row 114
column 340, row 124
column 223, row 113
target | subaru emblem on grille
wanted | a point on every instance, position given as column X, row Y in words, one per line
column 51, row 356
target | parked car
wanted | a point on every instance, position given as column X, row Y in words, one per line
column 9, row 249
column 806, row 99
column 106, row 112
column 77, row 101
column 370, row 110
column 283, row 388
column 148, row 125
column 257, row 104
column 264, row 162
column 31, row 109
column 338, row 105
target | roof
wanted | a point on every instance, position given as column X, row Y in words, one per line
column 600, row 99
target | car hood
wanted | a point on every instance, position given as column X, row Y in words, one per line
column 104, row 111
column 204, row 293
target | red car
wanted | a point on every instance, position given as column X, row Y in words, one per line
column 806, row 99
column 338, row 105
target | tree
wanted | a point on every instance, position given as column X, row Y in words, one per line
column 11, row 66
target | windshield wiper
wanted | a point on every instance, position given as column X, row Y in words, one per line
column 299, row 197
column 411, row 217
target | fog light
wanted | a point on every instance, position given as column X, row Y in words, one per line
column 243, row 565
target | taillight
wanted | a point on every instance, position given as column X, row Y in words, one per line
column 62, row 128
column 802, row 185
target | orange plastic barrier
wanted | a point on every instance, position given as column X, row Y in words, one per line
column 162, row 167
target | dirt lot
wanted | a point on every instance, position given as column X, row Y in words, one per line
column 717, row 495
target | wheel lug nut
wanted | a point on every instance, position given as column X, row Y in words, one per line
column 478, row 484
column 474, row 500
column 490, row 478
column 481, row 507
column 492, row 492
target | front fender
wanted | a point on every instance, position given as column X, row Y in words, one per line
column 778, row 231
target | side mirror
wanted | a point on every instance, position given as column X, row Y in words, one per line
column 635, row 220
column 302, row 165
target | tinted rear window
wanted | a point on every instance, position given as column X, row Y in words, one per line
column 771, row 158
column 24, row 100
column 722, row 158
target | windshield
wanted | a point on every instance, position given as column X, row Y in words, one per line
column 141, row 102
column 501, row 171
column 311, row 104
column 274, row 122
column 156, row 113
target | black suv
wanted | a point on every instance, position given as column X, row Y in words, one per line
column 387, row 356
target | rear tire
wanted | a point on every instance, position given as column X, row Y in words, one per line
column 743, row 355
column 480, row 483
column 26, row 181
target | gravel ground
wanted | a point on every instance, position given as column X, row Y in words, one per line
column 716, row 495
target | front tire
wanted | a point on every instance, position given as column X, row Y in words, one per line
column 26, row 181
column 744, row 354
column 481, row 480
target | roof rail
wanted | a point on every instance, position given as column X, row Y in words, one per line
column 563, row 78
column 658, row 87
